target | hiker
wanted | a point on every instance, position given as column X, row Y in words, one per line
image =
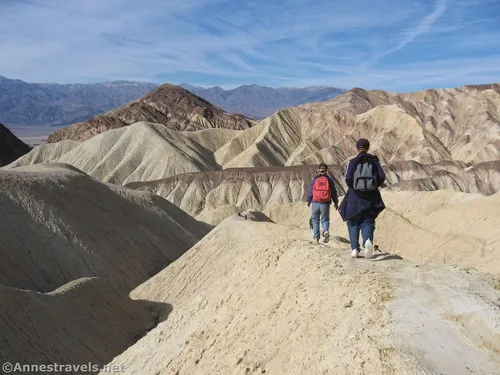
column 362, row 202
column 320, row 194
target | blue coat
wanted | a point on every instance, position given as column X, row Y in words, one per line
column 356, row 202
column 333, row 189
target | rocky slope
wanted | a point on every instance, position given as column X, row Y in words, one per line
column 49, row 103
column 58, row 225
column 170, row 105
column 11, row 147
column 260, row 101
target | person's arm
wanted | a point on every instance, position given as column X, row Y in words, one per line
column 335, row 197
column 309, row 197
column 380, row 173
column 349, row 176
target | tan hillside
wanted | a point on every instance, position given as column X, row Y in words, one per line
column 45, row 153
column 60, row 225
column 146, row 152
column 213, row 196
column 431, row 126
column 139, row 152
column 235, row 189
column 257, row 297
column 169, row 105
column 483, row 178
column 212, row 139
column 83, row 321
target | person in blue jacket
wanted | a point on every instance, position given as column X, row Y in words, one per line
column 320, row 194
column 361, row 206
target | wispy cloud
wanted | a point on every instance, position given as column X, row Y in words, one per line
column 422, row 27
column 223, row 42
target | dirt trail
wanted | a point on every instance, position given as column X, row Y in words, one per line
column 254, row 298
column 448, row 319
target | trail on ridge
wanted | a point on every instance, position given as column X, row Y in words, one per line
column 259, row 297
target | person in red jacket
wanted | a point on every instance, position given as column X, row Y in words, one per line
column 320, row 195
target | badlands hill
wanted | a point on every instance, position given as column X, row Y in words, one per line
column 430, row 126
column 11, row 147
column 72, row 248
column 427, row 140
column 264, row 285
column 259, row 297
column 58, row 225
column 212, row 196
column 168, row 104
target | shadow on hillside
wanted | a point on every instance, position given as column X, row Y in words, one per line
column 160, row 310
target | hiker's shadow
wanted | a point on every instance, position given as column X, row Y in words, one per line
column 381, row 256
column 341, row 239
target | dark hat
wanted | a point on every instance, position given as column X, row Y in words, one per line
column 363, row 143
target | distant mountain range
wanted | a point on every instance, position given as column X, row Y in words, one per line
column 260, row 101
column 23, row 103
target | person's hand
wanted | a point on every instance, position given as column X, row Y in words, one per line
column 308, row 204
column 336, row 206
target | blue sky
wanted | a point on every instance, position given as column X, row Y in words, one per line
column 397, row 45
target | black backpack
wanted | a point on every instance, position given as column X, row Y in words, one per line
column 365, row 176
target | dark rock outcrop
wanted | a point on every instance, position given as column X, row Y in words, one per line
column 11, row 147
column 170, row 105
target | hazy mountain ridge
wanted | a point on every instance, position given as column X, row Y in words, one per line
column 260, row 101
column 63, row 104
column 29, row 103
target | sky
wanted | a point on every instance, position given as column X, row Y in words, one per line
column 395, row 45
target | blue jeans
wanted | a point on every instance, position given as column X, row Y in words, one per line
column 320, row 210
column 364, row 221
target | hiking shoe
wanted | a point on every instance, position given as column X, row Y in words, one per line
column 326, row 236
column 368, row 249
column 316, row 240
column 354, row 253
